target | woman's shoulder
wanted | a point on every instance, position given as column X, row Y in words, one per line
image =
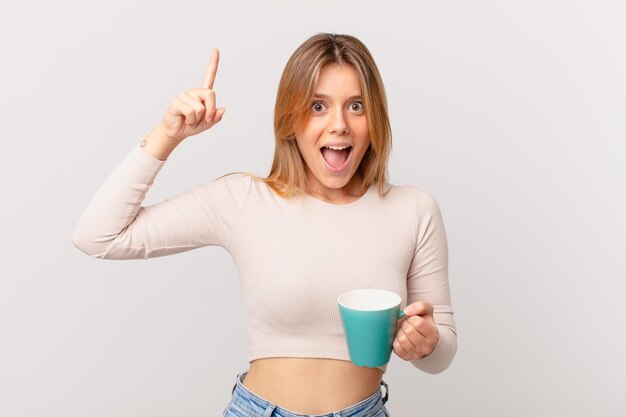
column 231, row 186
column 422, row 197
column 235, row 181
column 410, row 189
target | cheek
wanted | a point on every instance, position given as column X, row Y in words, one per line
column 309, row 135
column 315, row 127
column 360, row 127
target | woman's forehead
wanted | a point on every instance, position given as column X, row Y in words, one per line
column 335, row 78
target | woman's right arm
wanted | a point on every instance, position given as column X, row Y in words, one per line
column 115, row 225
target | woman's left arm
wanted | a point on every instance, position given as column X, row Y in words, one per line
column 426, row 336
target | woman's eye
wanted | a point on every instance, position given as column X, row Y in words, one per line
column 357, row 106
column 317, row 106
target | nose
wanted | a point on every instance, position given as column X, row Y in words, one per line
column 338, row 123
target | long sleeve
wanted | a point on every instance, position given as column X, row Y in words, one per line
column 427, row 280
column 115, row 225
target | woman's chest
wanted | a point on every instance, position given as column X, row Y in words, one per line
column 311, row 258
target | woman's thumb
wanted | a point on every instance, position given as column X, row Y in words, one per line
column 218, row 115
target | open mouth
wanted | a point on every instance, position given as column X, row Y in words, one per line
column 336, row 159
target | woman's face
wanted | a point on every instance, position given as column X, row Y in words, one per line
column 336, row 117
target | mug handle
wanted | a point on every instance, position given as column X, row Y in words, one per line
column 401, row 314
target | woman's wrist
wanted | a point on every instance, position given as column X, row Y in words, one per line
column 157, row 144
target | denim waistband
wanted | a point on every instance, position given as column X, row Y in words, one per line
column 254, row 405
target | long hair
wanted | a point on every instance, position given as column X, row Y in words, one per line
column 292, row 109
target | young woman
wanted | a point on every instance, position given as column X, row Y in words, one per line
column 324, row 221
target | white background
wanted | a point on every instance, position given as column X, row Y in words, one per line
column 510, row 113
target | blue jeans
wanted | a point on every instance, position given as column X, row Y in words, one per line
column 245, row 403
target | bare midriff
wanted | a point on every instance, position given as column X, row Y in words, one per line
column 311, row 385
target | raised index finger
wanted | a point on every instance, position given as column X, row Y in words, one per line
column 209, row 76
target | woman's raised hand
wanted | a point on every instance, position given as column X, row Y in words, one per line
column 194, row 111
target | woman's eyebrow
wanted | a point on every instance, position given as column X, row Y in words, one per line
column 352, row 97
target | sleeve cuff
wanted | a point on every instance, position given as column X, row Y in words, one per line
column 145, row 159
column 441, row 357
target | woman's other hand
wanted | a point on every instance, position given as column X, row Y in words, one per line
column 416, row 333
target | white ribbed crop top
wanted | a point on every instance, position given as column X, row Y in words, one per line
column 294, row 256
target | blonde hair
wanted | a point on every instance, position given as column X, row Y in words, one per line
column 293, row 99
